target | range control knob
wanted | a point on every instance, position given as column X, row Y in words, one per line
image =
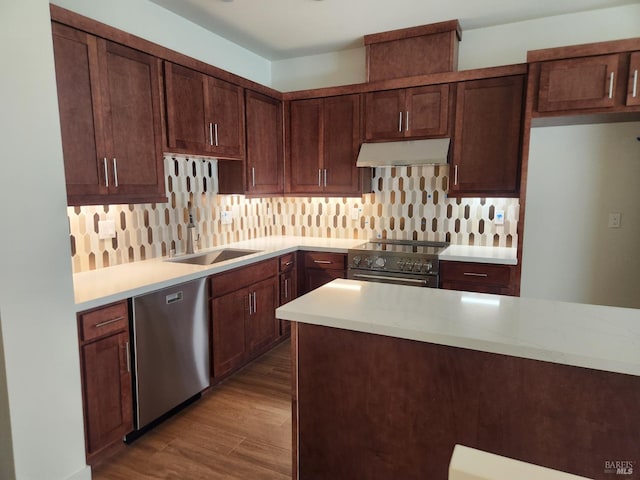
column 380, row 262
column 428, row 266
column 368, row 261
column 356, row 260
column 417, row 266
column 408, row 266
column 400, row 264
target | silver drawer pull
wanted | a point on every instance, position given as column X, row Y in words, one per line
column 210, row 133
column 115, row 171
column 325, row 262
column 106, row 173
column 128, row 352
column 635, row 83
column 469, row 274
column 108, row 322
column 400, row 123
column 611, row 85
column 288, row 263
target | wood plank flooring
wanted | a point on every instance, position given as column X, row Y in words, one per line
column 240, row 430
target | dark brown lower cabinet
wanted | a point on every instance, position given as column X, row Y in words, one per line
column 288, row 286
column 478, row 277
column 243, row 315
column 106, row 378
column 320, row 268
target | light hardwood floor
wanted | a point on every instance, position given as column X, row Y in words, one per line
column 240, row 430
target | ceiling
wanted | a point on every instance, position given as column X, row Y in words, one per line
column 279, row 29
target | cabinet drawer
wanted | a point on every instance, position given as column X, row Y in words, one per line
column 103, row 321
column 287, row 262
column 476, row 273
column 325, row 260
column 238, row 278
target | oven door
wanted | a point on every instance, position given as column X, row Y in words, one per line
column 423, row 280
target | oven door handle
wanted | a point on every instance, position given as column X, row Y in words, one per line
column 397, row 279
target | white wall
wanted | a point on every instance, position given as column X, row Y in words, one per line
column 577, row 176
column 41, row 384
column 156, row 24
column 483, row 47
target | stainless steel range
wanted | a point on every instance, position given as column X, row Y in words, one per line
column 396, row 261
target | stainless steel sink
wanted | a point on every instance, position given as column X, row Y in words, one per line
column 215, row 256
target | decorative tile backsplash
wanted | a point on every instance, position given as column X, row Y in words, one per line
column 406, row 203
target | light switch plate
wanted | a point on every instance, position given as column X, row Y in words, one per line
column 614, row 220
column 355, row 213
column 499, row 218
column 106, row 229
column 226, row 217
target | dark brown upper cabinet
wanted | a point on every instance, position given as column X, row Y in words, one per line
column 205, row 115
column 324, row 140
column 417, row 112
column 578, row 83
column 109, row 102
column 265, row 163
column 486, row 151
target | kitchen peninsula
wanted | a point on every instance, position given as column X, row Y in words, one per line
column 389, row 378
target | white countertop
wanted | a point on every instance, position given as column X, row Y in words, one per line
column 100, row 287
column 471, row 253
column 591, row 336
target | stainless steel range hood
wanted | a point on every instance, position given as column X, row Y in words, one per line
column 411, row 152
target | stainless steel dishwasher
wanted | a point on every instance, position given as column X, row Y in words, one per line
column 171, row 348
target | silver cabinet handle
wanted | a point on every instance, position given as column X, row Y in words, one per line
column 635, row 83
column 469, row 274
column 319, row 177
column 128, row 356
column 250, row 305
column 455, row 175
column 210, row 133
column 325, row 177
column 215, row 129
column 286, row 288
column 400, row 123
column 406, row 127
column 253, row 176
column 255, row 303
column 288, row 263
column 108, row 322
column 115, row 170
column 323, row 262
column 611, row 85
column 106, row 173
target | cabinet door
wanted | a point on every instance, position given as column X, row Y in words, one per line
column 107, row 384
column 633, row 90
column 384, row 115
column 288, row 292
column 316, row 277
column 76, row 64
column 578, row 83
column 305, row 167
column 264, row 144
column 187, row 123
column 341, row 142
column 228, row 318
column 428, row 111
column 131, row 96
column 486, row 155
column 226, row 106
column 262, row 326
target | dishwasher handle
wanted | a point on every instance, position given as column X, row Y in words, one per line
column 174, row 297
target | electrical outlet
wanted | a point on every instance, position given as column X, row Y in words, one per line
column 499, row 218
column 355, row 213
column 106, row 229
column 226, row 217
column 614, row 220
